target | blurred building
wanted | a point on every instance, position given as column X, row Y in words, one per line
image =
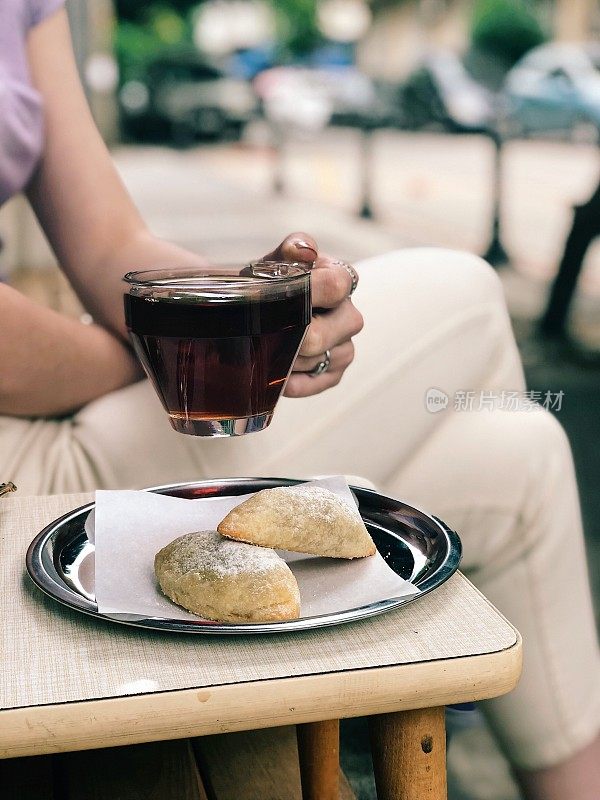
column 576, row 20
column 402, row 32
column 400, row 35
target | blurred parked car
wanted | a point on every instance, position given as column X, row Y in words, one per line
column 441, row 92
column 308, row 99
column 554, row 89
column 183, row 98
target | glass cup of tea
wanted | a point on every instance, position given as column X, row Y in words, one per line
column 218, row 343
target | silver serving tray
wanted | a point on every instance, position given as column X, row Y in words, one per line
column 418, row 547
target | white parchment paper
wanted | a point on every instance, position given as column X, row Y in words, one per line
column 129, row 528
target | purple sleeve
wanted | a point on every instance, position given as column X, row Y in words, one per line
column 40, row 9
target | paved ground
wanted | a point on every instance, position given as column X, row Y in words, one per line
column 426, row 189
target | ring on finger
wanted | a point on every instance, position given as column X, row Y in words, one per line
column 322, row 366
column 352, row 272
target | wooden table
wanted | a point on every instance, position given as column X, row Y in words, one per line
column 72, row 683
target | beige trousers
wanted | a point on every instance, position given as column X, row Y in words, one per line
column 503, row 478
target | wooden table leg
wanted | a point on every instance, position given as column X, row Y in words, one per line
column 319, row 754
column 409, row 755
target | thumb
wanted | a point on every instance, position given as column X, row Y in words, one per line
column 295, row 247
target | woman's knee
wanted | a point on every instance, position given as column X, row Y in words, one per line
column 532, row 439
column 542, row 437
column 501, row 457
column 460, row 278
column 532, row 457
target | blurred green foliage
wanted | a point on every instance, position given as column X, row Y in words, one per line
column 297, row 29
column 145, row 31
column 377, row 5
column 505, row 29
column 134, row 11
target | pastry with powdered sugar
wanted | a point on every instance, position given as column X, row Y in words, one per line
column 227, row 581
column 303, row 519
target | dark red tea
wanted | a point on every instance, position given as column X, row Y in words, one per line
column 217, row 359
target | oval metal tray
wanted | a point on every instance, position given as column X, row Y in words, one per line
column 418, row 547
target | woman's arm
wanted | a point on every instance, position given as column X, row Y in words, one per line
column 50, row 364
column 98, row 234
column 87, row 215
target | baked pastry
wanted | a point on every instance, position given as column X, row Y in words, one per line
column 304, row 519
column 227, row 581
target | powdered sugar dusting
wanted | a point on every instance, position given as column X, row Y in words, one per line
column 318, row 502
column 209, row 551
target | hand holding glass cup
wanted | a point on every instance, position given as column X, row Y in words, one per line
column 219, row 343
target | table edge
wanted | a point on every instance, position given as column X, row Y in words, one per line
column 182, row 713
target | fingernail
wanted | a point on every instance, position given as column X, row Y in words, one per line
column 302, row 245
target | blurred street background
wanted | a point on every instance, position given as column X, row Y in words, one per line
column 471, row 124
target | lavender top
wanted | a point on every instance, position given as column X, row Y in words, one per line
column 21, row 114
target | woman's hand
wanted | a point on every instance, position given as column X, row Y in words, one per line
column 335, row 319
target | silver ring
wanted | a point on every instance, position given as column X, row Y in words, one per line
column 352, row 272
column 322, row 366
